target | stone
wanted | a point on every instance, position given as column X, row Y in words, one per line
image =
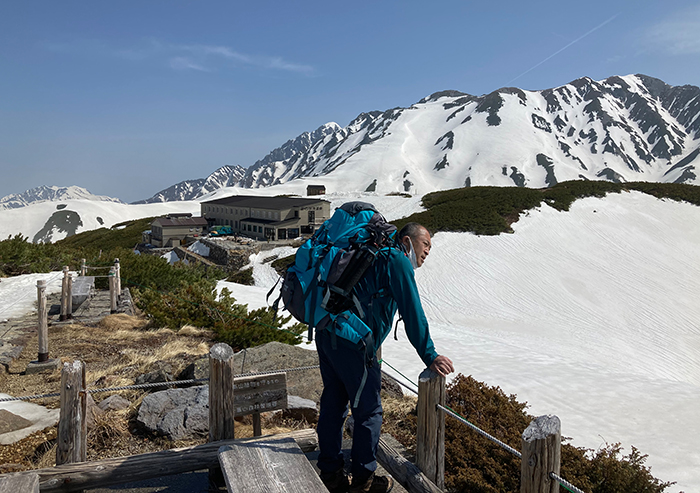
column 163, row 372
column 12, row 422
column 92, row 412
column 176, row 413
column 269, row 357
column 114, row 403
column 43, row 366
column 391, row 387
column 194, row 371
column 301, row 409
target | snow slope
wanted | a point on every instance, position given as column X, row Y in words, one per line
column 49, row 220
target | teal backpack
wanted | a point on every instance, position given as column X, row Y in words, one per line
column 320, row 284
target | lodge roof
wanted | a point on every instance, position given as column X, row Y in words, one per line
column 263, row 202
column 180, row 222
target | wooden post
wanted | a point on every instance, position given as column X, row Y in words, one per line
column 72, row 424
column 221, row 404
column 118, row 268
column 430, row 450
column 112, row 290
column 69, row 302
column 83, row 267
column 257, row 425
column 66, row 295
column 43, row 322
column 541, row 449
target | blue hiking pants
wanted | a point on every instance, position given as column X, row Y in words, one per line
column 342, row 371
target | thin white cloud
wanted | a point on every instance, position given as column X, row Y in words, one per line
column 184, row 63
column 265, row 62
column 203, row 58
column 677, row 34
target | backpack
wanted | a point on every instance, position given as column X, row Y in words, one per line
column 327, row 267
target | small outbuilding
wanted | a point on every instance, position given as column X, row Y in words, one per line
column 315, row 190
column 173, row 229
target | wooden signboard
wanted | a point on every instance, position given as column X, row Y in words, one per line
column 258, row 394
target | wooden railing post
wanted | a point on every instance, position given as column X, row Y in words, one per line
column 66, row 295
column 118, row 269
column 83, row 267
column 541, row 449
column 69, row 302
column 112, row 290
column 221, row 406
column 430, row 450
column 43, row 327
column 72, row 424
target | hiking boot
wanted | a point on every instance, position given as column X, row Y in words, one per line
column 374, row 484
column 336, row 482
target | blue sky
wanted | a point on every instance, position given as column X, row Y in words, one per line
column 126, row 98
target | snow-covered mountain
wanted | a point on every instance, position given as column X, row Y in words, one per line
column 631, row 128
column 225, row 176
column 44, row 194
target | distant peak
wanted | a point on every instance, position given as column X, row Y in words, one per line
column 442, row 94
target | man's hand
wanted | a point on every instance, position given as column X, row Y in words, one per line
column 442, row 365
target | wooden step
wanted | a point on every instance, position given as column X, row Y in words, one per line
column 269, row 466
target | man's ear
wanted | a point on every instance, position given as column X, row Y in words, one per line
column 406, row 241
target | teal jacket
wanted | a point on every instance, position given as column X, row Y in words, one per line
column 390, row 285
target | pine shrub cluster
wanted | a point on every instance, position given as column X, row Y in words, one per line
column 475, row 464
column 492, row 210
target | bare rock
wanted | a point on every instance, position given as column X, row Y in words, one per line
column 114, row 403
column 176, row 413
column 301, row 409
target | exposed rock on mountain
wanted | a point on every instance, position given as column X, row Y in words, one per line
column 225, row 176
column 44, row 193
column 632, row 128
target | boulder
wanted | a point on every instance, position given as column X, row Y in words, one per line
column 114, row 403
column 301, row 409
column 176, row 413
column 269, row 357
column 162, row 372
column 194, row 371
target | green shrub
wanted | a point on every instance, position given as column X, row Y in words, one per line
column 282, row 264
column 475, row 464
column 492, row 210
column 244, row 276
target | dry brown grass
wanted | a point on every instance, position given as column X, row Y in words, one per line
column 115, row 352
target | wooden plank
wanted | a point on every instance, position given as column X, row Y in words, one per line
column 404, row 471
column 270, row 466
column 400, row 468
column 28, row 483
column 118, row 470
column 260, row 393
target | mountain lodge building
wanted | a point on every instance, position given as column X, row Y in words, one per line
column 267, row 218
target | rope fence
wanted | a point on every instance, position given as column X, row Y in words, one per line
column 159, row 384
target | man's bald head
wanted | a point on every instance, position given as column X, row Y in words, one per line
column 419, row 237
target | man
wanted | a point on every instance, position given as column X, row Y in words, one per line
column 389, row 285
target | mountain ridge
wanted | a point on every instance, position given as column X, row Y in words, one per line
column 52, row 194
column 620, row 129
